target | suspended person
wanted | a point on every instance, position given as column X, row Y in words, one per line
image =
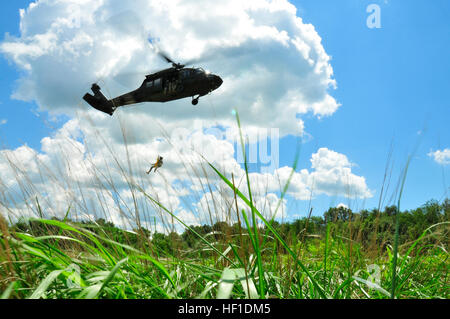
column 158, row 164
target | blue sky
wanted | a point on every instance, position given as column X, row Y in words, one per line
column 392, row 83
column 23, row 125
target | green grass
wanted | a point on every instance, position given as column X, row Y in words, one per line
column 82, row 264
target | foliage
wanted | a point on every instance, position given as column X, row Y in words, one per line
column 66, row 259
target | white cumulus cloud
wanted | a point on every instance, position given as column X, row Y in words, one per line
column 441, row 156
column 98, row 176
column 330, row 174
column 273, row 64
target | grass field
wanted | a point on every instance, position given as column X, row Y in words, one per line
column 254, row 258
column 78, row 262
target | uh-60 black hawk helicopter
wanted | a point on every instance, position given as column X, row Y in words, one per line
column 170, row 84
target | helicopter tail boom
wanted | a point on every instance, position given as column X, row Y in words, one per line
column 98, row 100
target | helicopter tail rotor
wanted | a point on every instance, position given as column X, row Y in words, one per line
column 98, row 100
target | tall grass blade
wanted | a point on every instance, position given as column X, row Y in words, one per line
column 40, row 290
column 254, row 221
column 7, row 293
column 397, row 226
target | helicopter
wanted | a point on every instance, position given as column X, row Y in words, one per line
column 176, row 82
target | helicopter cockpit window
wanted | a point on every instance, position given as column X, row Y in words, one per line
column 149, row 84
column 157, row 83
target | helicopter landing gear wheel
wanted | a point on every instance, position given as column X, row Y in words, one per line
column 195, row 101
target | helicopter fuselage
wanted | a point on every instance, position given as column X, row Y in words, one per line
column 163, row 86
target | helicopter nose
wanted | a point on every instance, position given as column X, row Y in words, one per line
column 216, row 81
column 219, row 81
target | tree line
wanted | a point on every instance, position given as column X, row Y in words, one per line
column 367, row 227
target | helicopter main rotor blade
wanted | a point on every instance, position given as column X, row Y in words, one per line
column 169, row 60
column 165, row 57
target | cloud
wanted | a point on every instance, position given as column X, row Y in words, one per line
column 441, row 156
column 333, row 175
column 330, row 174
column 188, row 217
column 273, row 64
column 98, row 176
